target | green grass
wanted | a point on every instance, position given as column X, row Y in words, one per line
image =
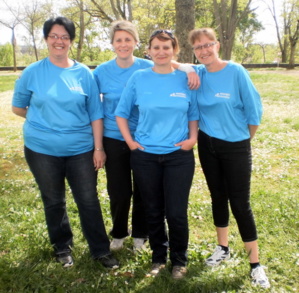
column 26, row 261
column 7, row 82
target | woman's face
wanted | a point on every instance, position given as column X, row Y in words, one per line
column 206, row 50
column 58, row 42
column 161, row 51
column 123, row 44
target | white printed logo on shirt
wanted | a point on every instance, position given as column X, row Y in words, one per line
column 223, row 95
column 178, row 95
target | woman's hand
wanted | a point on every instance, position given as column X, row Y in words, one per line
column 187, row 144
column 99, row 159
column 134, row 145
column 193, row 81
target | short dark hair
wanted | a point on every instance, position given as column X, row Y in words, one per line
column 60, row 20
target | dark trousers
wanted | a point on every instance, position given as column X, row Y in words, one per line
column 165, row 182
column 50, row 173
column 121, row 188
column 227, row 168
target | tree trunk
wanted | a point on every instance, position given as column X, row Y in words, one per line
column 81, row 33
column 293, row 42
column 227, row 18
column 14, row 44
column 185, row 21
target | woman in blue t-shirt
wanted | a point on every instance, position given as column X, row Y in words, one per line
column 161, row 150
column 230, row 111
column 59, row 99
column 112, row 77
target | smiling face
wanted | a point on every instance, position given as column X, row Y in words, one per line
column 162, row 52
column 123, row 44
column 206, row 50
column 58, row 47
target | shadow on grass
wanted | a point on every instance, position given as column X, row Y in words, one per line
column 38, row 272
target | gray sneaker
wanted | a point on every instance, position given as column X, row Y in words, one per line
column 108, row 261
column 178, row 272
column 218, row 256
column 155, row 269
column 65, row 259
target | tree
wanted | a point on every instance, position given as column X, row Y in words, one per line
column 293, row 29
column 282, row 40
column 228, row 15
column 12, row 25
column 111, row 10
column 34, row 15
column 12, row 22
column 77, row 12
column 185, row 21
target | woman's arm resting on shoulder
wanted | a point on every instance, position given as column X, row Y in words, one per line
column 99, row 156
column 193, row 78
column 22, row 112
column 125, row 131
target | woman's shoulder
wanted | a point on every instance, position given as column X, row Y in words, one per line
column 143, row 63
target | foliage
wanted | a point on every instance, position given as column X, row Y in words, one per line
column 6, row 55
column 151, row 15
column 254, row 53
column 26, row 262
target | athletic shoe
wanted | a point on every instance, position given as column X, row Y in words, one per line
column 139, row 243
column 65, row 259
column 108, row 261
column 156, row 268
column 218, row 256
column 117, row 244
column 259, row 277
column 178, row 272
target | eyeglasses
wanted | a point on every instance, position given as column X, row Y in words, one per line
column 55, row 37
column 205, row 46
column 158, row 32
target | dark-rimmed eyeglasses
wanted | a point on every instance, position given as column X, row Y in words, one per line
column 62, row 38
column 205, row 46
column 158, row 32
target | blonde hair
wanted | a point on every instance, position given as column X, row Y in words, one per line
column 197, row 34
column 123, row 25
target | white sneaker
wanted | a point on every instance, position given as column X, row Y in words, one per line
column 218, row 256
column 117, row 244
column 259, row 277
column 139, row 243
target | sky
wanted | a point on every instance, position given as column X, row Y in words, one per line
column 267, row 36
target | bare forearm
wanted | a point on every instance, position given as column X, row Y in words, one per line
column 22, row 112
column 252, row 130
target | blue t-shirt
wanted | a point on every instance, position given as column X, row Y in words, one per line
column 165, row 105
column 228, row 102
column 62, row 103
column 111, row 80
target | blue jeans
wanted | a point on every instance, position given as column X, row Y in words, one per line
column 227, row 168
column 121, row 188
column 165, row 181
column 50, row 173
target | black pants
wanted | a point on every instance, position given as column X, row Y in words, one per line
column 227, row 168
column 165, row 181
column 121, row 187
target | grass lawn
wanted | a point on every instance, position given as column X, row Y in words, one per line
column 26, row 260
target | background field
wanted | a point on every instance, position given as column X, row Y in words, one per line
column 26, row 261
